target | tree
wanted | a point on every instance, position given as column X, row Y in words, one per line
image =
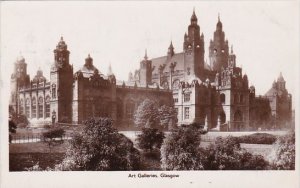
column 147, row 114
column 100, row 147
column 53, row 137
column 180, row 149
column 12, row 128
column 150, row 115
column 19, row 119
column 150, row 138
column 282, row 156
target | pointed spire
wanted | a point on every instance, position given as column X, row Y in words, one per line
column 194, row 17
column 146, row 56
column 280, row 78
column 219, row 24
column 231, row 49
column 61, row 38
column 109, row 72
column 171, row 45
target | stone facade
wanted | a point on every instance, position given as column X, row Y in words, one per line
column 74, row 97
column 281, row 104
column 214, row 94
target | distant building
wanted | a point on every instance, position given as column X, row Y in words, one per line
column 281, row 104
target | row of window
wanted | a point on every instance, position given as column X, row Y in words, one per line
column 237, row 98
column 186, row 98
column 37, row 110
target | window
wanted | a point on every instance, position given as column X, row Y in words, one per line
column 186, row 112
column 21, row 106
column 129, row 109
column 187, row 97
column 241, row 98
column 27, row 108
column 33, row 108
column 222, row 98
column 47, row 107
column 53, row 91
column 175, row 100
column 40, row 107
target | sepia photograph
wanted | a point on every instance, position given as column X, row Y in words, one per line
column 181, row 94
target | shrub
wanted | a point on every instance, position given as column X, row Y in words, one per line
column 226, row 154
column 100, row 147
column 150, row 138
column 53, row 137
column 180, row 150
column 257, row 138
column 282, row 156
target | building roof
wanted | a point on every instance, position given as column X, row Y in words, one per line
column 178, row 58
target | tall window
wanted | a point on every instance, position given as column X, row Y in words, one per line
column 40, row 106
column 27, row 108
column 186, row 112
column 129, row 109
column 53, row 91
column 187, row 97
column 21, row 106
column 222, row 97
column 33, row 107
column 241, row 98
column 47, row 108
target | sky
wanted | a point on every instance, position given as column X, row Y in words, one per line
column 264, row 35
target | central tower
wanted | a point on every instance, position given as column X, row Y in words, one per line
column 61, row 82
column 193, row 47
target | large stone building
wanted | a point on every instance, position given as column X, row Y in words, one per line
column 74, row 97
column 214, row 94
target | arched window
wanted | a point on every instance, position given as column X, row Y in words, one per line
column 53, row 91
column 21, row 106
column 33, row 107
column 187, row 97
column 238, row 116
column 165, row 85
column 241, row 98
column 47, row 107
column 27, row 108
column 222, row 98
column 130, row 109
column 40, row 107
column 176, row 84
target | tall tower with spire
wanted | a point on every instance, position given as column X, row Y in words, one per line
column 19, row 79
column 61, row 82
column 193, row 47
column 218, row 49
column 145, row 71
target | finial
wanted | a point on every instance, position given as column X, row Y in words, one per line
column 109, row 72
column 193, row 10
column 61, row 38
column 218, row 16
column 171, row 45
column 231, row 49
column 146, row 56
column 89, row 55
